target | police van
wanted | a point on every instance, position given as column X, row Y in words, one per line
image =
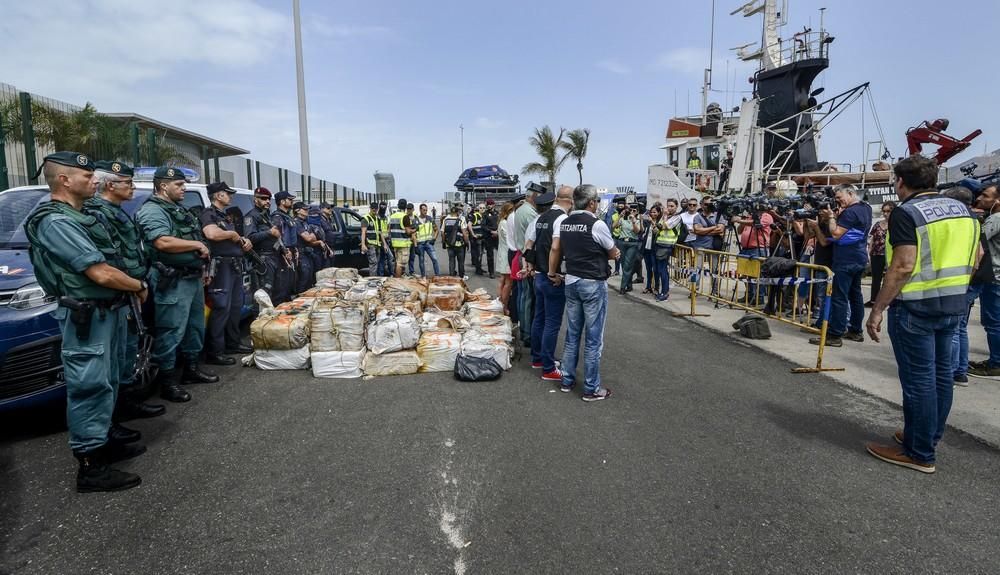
column 30, row 340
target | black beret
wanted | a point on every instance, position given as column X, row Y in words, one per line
column 168, row 173
column 116, row 168
column 71, row 159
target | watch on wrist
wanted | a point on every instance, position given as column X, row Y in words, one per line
column 143, row 286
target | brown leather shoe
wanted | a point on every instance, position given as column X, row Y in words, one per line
column 894, row 455
column 898, row 436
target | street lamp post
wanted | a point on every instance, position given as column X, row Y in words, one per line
column 300, row 78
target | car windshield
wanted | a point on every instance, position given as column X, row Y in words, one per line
column 15, row 207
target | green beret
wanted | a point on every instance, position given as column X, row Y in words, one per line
column 116, row 168
column 168, row 173
column 71, row 159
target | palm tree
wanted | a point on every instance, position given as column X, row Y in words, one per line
column 547, row 147
column 576, row 147
column 85, row 130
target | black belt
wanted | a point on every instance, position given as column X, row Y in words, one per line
column 110, row 304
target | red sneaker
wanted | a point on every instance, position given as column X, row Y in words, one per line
column 554, row 375
column 536, row 365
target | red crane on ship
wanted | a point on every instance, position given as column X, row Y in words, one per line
column 932, row 132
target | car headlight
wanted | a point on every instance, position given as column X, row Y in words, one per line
column 29, row 297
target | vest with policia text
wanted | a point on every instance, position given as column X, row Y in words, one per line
column 55, row 276
column 373, row 223
column 543, row 237
column 183, row 225
column 397, row 233
column 425, row 230
column 585, row 258
column 124, row 233
column 947, row 242
column 453, row 232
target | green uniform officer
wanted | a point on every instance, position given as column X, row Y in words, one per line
column 70, row 253
column 179, row 257
column 115, row 187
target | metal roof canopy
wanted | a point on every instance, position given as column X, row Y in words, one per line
column 222, row 149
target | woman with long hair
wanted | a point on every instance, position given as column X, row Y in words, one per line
column 503, row 265
column 650, row 227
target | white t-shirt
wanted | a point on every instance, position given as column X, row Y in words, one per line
column 602, row 235
column 688, row 219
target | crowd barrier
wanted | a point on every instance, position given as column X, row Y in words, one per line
column 729, row 279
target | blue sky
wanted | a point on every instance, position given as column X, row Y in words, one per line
column 388, row 83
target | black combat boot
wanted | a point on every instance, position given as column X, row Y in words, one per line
column 238, row 349
column 193, row 374
column 129, row 406
column 120, row 434
column 170, row 389
column 96, row 475
column 214, row 359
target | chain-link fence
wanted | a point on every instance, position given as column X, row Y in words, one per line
column 33, row 126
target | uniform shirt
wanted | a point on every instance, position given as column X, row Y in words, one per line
column 154, row 222
column 286, row 224
column 219, row 248
column 601, row 234
column 852, row 247
column 257, row 225
column 69, row 241
column 491, row 222
column 522, row 219
column 626, row 231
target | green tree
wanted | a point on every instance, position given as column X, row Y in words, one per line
column 547, row 146
column 85, row 130
column 575, row 146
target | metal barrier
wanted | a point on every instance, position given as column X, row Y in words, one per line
column 718, row 276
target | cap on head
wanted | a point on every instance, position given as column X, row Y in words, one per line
column 545, row 199
column 313, row 210
column 262, row 192
column 299, row 206
column 373, row 205
column 409, row 206
column 283, row 195
column 401, row 204
column 490, row 201
column 116, row 168
column 168, row 173
column 217, row 187
column 325, row 205
column 69, row 159
column 971, row 184
column 517, row 198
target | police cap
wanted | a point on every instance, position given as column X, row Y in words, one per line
column 283, row 195
column 298, row 205
column 217, row 187
column 545, row 199
column 168, row 173
column 116, row 168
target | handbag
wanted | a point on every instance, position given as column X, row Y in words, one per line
column 468, row 368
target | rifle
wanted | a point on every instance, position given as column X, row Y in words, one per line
column 258, row 266
column 143, row 368
column 286, row 254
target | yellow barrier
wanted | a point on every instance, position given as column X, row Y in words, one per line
column 725, row 272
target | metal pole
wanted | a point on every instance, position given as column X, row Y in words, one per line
column 462, row 130
column 133, row 130
column 300, row 77
column 28, row 137
column 4, row 181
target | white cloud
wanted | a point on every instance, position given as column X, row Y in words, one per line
column 614, row 66
column 100, row 46
column 684, row 60
column 487, row 124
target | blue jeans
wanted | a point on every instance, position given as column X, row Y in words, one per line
column 922, row 346
column 652, row 278
column 960, row 343
column 586, row 310
column 989, row 316
column 662, row 268
column 753, row 288
column 418, row 252
column 550, row 301
column 847, row 297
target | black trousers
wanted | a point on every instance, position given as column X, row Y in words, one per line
column 284, row 281
column 225, row 297
column 878, row 272
column 306, row 276
column 477, row 254
column 490, row 247
column 456, row 256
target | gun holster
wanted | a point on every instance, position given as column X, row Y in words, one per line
column 168, row 276
column 80, row 313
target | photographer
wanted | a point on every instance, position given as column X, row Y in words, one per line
column 710, row 230
column 629, row 226
column 849, row 232
column 754, row 229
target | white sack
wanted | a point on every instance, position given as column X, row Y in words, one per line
column 438, row 350
column 337, row 364
column 269, row 359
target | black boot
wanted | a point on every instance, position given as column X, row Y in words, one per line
column 129, row 407
column 213, row 359
column 192, row 374
column 96, row 475
column 121, row 434
column 239, row 349
column 170, row 389
column 115, row 452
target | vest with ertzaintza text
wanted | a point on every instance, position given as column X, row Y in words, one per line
column 584, row 257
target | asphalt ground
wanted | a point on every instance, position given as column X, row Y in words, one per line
column 710, row 458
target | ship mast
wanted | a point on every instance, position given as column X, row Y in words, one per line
column 769, row 51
